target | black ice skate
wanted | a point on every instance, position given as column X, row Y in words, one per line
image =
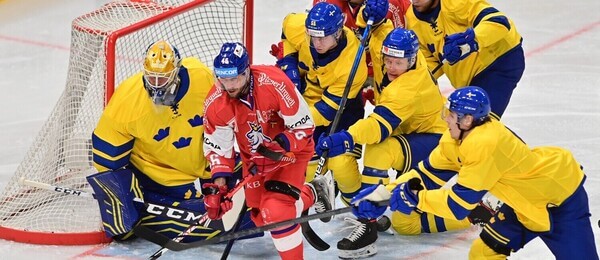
column 323, row 198
column 361, row 242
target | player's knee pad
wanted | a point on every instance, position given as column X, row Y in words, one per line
column 372, row 176
column 276, row 207
column 115, row 192
column 480, row 250
column 385, row 155
column 282, row 188
column 406, row 224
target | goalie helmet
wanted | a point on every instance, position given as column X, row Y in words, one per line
column 231, row 61
column 324, row 19
column 401, row 43
column 161, row 66
column 470, row 100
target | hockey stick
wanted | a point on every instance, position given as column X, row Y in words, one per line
column 166, row 242
column 235, row 228
column 311, row 237
column 181, row 215
column 438, row 67
column 230, row 195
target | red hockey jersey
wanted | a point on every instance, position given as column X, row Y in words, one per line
column 272, row 106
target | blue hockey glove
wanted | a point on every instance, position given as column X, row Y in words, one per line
column 363, row 206
column 459, row 45
column 403, row 198
column 376, row 9
column 337, row 144
column 289, row 65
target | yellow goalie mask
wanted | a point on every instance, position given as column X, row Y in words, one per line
column 161, row 66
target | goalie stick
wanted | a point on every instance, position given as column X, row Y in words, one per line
column 166, row 242
column 181, row 215
column 308, row 232
column 234, row 195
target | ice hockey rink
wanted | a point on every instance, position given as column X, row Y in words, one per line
column 556, row 103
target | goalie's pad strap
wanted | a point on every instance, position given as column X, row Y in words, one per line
column 283, row 188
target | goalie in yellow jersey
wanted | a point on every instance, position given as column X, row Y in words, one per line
column 542, row 188
column 148, row 144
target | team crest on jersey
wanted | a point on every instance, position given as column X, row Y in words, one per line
column 255, row 136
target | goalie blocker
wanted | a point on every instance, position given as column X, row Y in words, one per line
column 116, row 191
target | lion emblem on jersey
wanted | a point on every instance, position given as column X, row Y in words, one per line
column 255, row 136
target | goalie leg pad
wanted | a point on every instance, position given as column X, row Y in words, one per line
column 115, row 191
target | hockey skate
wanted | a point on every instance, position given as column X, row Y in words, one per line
column 361, row 242
column 323, row 197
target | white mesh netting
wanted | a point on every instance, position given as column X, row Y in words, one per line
column 61, row 153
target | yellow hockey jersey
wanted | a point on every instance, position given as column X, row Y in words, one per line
column 411, row 103
column 293, row 33
column 325, row 74
column 495, row 33
column 491, row 158
column 165, row 143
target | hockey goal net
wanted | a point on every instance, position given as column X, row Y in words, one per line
column 107, row 46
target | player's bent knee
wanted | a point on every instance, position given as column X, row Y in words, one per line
column 406, row 224
column 488, row 249
column 277, row 206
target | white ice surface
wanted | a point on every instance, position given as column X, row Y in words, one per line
column 556, row 103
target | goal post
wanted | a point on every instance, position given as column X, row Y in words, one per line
column 107, row 46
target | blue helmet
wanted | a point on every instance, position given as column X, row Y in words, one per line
column 324, row 19
column 470, row 100
column 401, row 43
column 231, row 61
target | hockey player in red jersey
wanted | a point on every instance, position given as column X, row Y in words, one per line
column 253, row 106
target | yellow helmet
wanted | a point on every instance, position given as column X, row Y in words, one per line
column 161, row 64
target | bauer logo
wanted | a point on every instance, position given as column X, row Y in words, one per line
column 226, row 72
column 316, row 33
column 393, row 52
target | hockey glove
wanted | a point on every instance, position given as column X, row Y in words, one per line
column 405, row 196
column 459, row 45
column 337, row 144
column 481, row 214
column 363, row 206
column 271, row 157
column 215, row 202
column 289, row 65
column 277, row 50
column 368, row 92
column 376, row 9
